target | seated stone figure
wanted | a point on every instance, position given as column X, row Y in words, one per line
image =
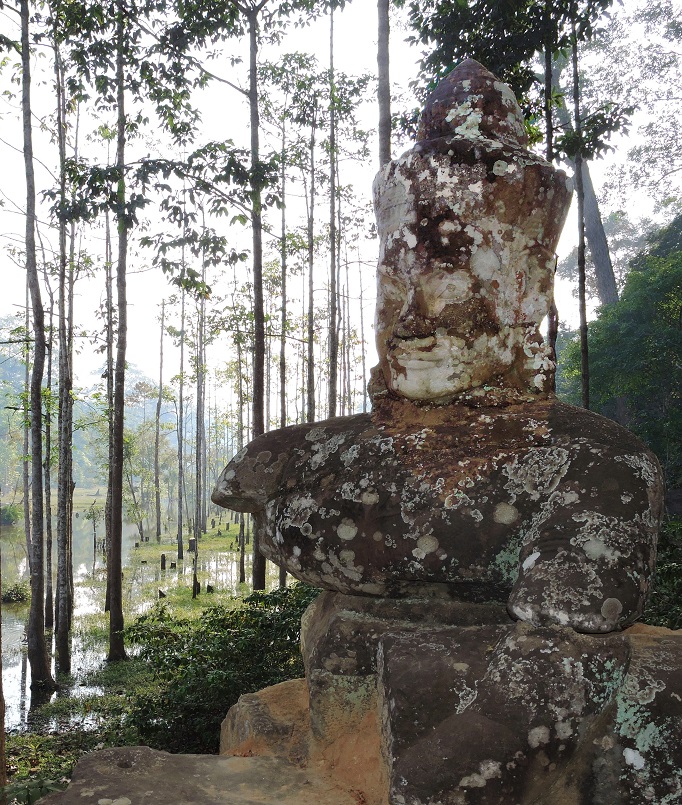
column 468, row 479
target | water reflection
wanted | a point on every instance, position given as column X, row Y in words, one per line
column 144, row 583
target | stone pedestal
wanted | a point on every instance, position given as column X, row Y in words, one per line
column 430, row 712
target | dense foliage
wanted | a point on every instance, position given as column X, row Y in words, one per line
column 665, row 605
column 202, row 666
column 635, row 349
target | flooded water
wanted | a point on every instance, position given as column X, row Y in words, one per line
column 144, row 582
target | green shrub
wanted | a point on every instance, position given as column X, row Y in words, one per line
column 28, row 792
column 17, row 593
column 204, row 665
column 10, row 514
column 665, row 604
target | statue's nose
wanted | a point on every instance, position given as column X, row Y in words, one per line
column 413, row 321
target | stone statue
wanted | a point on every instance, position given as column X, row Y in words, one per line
column 468, row 480
column 480, row 544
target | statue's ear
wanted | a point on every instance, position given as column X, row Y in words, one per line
column 536, row 367
column 377, row 388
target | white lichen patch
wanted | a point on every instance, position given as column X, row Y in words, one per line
column 505, row 513
column 346, row 530
column 529, row 561
column 538, row 736
column 322, row 450
column 465, row 696
column 537, row 473
column 350, row 455
column 487, row 770
column 427, row 544
column 634, row 758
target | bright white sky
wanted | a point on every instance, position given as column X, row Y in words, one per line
column 224, row 115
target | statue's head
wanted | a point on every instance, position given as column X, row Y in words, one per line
column 468, row 221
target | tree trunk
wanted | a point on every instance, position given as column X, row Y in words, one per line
column 607, row 289
column 41, row 677
column 584, row 358
column 200, row 440
column 108, row 264
column 47, row 471
column 63, row 603
column 26, row 470
column 553, row 313
column 157, row 432
column 116, row 646
column 137, row 507
column 384, row 84
column 240, row 445
column 333, row 356
column 283, row 319
column 181, row 415
column 310, row 373
column 258, row 408
column 362, row 341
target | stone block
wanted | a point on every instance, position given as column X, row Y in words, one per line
column 340, row 633
column 514, row 715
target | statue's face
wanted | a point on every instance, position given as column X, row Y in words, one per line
column 437, row 333
column 465, row 272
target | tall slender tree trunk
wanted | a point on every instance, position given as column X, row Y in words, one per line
column 347, row 340
column 607, row 290
column 114, row 565
column 584, row 356
column 108, row 264
column 240, row 445
column 206, row 424
column 362, row 340
column 49, row 593
column 181, row 416
column 384, row 84
column 157, row 432
column 258, row 408
column 596, row 239
column 283, row 259
column 333, row 293
column 200, row 439
column 283, row 318
column 553, row 314
column 26, row 464
column 310, row 373
column 63, row 604
column 41, row 677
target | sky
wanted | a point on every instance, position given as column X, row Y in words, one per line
column 224, row 115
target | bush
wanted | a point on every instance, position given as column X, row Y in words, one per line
column 665, row 604
column 10, row 514
column 17, row 593
column 203, row 666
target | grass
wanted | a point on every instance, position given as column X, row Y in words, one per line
column 90, row 711
column 42, row 758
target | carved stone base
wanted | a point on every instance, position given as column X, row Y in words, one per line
column 474, row 715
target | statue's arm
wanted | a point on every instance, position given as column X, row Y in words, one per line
column 588, row 563
column 253, row 476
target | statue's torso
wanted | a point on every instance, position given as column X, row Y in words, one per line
column 382, row 503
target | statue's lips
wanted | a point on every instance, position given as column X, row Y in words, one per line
column 418, row 361
column 420, row 353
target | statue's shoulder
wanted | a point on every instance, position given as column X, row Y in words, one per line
column 584, row 426
column 604, row 444
column 256, row 473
